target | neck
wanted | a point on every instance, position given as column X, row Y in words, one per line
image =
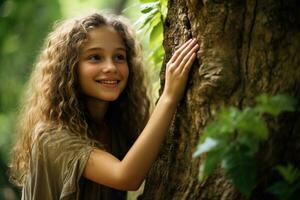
column 97, row 110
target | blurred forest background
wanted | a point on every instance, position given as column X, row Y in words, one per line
column 23, row 27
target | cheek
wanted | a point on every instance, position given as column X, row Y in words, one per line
column 86, row 70
column 124, row 70
column 81, row 75
column 84, row 74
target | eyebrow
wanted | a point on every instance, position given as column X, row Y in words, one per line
column 99, row 48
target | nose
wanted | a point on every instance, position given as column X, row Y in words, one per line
column 109, row 66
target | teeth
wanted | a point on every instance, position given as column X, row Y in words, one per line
column 108, row 82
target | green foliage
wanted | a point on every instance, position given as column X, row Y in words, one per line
column 23, row 26
column 6, row 134
column 275, row 105
column 233, row 139
column 21, row 36
column 289, row 187
column 151, row 24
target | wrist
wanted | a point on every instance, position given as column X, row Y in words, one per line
column 167, row 99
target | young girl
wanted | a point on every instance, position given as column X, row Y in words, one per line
column 83, row 130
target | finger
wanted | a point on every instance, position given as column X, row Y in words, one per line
column 189, row 63
column 178, row 51
column 187, row 57
column 185, row 51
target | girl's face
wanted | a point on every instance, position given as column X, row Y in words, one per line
column 103, row 69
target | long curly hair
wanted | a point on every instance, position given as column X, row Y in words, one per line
column 53, row 100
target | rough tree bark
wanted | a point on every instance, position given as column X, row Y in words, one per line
column 247, row 47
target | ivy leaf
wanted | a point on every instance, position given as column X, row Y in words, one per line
column 289, row 173
column 227, row 117
column 240, row 169
column 217, row 130
column 213, row 158
column 206, row 146
column 229, row 114
column 249, row 122
column 234, row 138
column 250, row 145
column 285, row 191
column 280, row 189
column 276, row 104
column 289, row 188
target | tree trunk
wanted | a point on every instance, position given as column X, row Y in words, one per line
column 246, row 48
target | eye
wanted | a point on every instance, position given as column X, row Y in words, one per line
column 94, row 58
column 119, row 58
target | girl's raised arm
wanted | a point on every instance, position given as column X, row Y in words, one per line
column 129, row 173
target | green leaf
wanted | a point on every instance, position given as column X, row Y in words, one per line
column 146, row 19
column 289, row 173
column 281, row 190
column 156, row 35
column 249, row 122
column 147, row 7
column 206, row 146
column 163, row 2
column 289, row 188
column 240, row 170
column 157, row 56
column 219, row 130
column 209, row 164
column 249, row 144
column 276, row 104
column 227, row 117
column 147, row 1
column 152, row 24
column 285, row 191
column 164, row 8
column 233, row 113
column 233, row 139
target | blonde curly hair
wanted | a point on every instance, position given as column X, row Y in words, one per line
column 53, row 101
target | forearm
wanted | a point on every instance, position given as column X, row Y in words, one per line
column 142, row 154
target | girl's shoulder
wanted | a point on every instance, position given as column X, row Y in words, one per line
column 56, row 141
column 61, row 157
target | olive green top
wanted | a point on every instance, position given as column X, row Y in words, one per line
column 56, row 166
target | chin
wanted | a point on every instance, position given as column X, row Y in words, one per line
column 111, row 98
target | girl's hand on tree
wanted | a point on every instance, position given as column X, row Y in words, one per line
column 177, row 70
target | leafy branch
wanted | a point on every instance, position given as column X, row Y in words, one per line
column 233, row 139
column 289, row 187
column 151, row 23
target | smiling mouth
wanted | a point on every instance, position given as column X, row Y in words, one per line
column 108, row 82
